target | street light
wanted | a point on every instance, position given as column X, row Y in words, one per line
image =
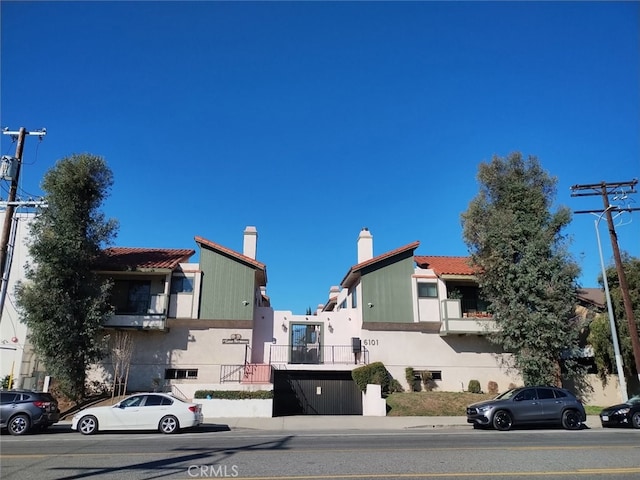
column 614, row 330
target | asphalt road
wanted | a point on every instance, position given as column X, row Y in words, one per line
column 214, row 452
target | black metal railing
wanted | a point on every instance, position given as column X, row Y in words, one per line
column 313, row 354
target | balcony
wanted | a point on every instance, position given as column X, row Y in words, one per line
column 152, row 318
column 314, row 354
column 460, row 317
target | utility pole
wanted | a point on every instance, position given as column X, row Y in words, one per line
column 15, row 176
column 622, row 189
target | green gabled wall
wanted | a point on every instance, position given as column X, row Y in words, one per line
column 226, row 283
column 387, row 285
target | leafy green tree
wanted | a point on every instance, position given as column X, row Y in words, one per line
column 524, row 269
column 600, row 329
column 62, row 301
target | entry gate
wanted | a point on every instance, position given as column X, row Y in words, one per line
column 315, row 393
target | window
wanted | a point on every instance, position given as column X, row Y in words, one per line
column 528, row 394
column 181, row 285
column 545, row 393
column 156, row 400
column 427, row 290
column 435, row 374
column 343, row 304
column 173, row 373
column 131, row 296
column 354, row 299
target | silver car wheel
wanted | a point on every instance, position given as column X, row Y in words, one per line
column 88, row 425
column 169, row 424
column 635, row 420
column 18, row 425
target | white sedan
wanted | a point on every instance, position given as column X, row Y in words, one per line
column 143, row 411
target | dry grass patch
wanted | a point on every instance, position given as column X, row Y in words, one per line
column 431, row 404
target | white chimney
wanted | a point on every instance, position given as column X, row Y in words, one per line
column 365, row 245
column 250, row 242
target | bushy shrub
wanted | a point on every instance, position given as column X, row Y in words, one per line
column 474, row 386
column 492, row 388
column 395, row 386
column 375, row 373
column 427, row 380
column 234, row 394
column 410, row 376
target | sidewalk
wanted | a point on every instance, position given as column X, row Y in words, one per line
column 318, row 423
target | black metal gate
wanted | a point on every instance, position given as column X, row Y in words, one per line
column 315, row 393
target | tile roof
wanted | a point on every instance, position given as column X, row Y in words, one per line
column 134, row 258
column 356, row 268
column 594, row 296
column 445, row 265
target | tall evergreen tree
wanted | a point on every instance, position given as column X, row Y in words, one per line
column 62, row 301
column 524, row 268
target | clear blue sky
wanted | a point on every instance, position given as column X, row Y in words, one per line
column 311, row 120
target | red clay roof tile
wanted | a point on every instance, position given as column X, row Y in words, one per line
column 134, row 258
column 445, row 265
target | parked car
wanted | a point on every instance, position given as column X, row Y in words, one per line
column 22, row 411
column 143, row 411
column 526, row 406
column 623, row 415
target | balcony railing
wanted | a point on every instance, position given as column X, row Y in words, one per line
column 458, row 318
column 313, row 354
column 155, row 318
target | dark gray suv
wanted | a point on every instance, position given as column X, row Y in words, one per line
column 24, row 410
column 529, row 405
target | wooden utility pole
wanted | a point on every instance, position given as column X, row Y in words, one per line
column 605, row 189
column 6, row 228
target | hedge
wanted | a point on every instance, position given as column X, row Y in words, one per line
column 234, row 394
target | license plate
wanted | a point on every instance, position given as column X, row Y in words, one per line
column 605, row 418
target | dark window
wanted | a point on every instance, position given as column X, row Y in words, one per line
column 545, row 393
column 354, row 299
column 181, row 285
column 427, row 290
column 131, row 296
column 528, row 394
column 560, row 394
column 435, row 374
column 8, row 397
column 153, row 400
column 174, row 373
column 132, row 401
column 166, row 401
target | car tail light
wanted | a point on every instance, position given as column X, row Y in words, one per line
column 193, row 408
column 41, row 404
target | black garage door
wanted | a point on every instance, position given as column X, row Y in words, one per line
column 315, row 393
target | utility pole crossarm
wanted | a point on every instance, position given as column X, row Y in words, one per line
column 6, row 229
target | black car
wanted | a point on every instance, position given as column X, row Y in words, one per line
column 623, row 415
column 526, row 406
column 22, row 411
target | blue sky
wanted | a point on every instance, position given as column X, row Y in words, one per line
column 311, row 120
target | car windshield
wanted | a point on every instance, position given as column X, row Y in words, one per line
column 506, row 395
column 635, row 400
